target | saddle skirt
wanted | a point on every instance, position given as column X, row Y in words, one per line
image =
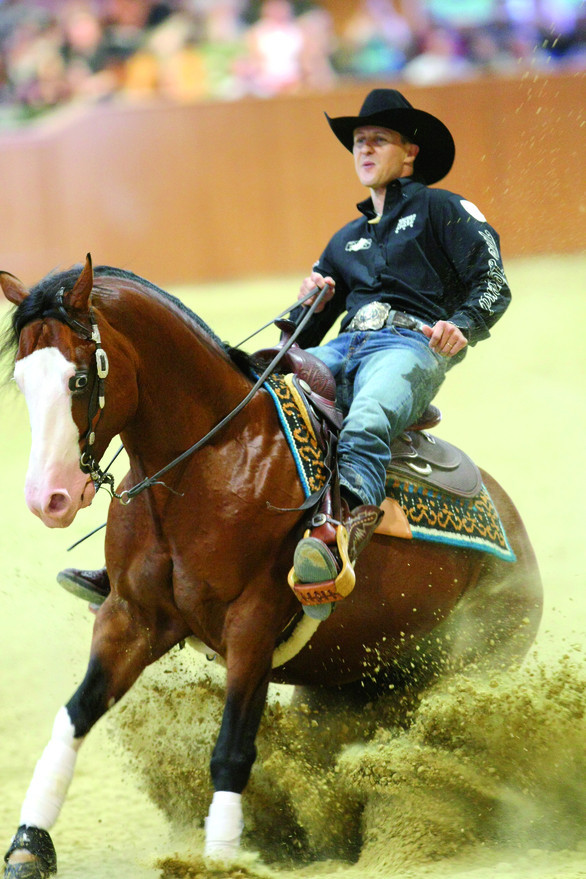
column 435, row 462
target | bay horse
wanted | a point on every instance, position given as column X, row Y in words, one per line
column 102, row 352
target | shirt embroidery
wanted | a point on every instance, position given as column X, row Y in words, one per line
column 405, row 223
column 496, row 281
column 361, row 244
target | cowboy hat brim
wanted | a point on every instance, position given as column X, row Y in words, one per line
column 436, row 145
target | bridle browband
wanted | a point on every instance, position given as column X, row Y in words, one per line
column 87, row 461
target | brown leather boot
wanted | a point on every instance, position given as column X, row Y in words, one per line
column 92, row 586
column 323, row 563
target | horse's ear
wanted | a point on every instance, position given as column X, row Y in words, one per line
column 13, row 289
column 78, row 298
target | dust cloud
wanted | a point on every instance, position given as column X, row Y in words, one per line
column 401, row 785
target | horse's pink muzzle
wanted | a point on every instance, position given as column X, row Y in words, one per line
column 57, row 506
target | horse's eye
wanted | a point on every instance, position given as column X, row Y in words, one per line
column 78, row 382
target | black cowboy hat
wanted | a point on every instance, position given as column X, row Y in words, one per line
column 388, row 108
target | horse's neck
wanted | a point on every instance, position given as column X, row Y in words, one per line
column 186, row 382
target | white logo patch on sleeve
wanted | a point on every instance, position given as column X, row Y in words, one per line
column 473, row 210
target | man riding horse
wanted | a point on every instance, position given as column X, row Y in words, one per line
column 419, row 276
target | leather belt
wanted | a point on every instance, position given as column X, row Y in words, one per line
column 376, row 315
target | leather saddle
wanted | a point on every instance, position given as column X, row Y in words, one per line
column 415, row 455
column 419, row 457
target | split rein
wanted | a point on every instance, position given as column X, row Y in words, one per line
column 87, row 461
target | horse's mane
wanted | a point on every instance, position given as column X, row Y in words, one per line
column 41, row 303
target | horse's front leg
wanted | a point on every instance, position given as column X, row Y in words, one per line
column 248, row 662
column 120, row 651
column 31, row 854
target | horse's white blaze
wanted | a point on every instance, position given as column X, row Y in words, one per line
column 55, row 487
column 52, row 775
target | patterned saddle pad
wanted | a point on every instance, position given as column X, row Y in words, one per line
column 424, row 512
column 442, row 517
column 298, row 429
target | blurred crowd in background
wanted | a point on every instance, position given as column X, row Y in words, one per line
column 55, row 52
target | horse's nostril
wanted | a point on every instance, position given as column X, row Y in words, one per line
column 58, row 503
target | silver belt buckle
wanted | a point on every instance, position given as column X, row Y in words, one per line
column 371, row 316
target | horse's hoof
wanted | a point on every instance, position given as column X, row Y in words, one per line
column 31, row 855
column 222, row 854
column 25, row 870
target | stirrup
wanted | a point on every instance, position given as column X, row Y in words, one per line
column 314, row 558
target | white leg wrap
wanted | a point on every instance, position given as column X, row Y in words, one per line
column 52, row 776
column 224, row 826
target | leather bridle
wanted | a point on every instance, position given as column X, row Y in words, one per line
column 97, row 400
column 87, row 461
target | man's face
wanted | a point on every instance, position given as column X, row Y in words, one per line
column 381, row 155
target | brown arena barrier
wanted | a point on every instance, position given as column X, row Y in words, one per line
column 221, row 190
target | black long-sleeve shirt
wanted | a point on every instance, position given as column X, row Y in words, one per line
column 431, row 254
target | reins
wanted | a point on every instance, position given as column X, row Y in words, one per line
column 88, row 463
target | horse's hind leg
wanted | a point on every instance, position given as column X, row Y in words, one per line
column 120, row 651
column 495, row 623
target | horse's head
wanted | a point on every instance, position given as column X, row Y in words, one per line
column 57, row 370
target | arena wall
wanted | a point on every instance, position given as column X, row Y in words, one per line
column 224, row 190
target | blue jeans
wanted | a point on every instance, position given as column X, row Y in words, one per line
column 385, row 380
